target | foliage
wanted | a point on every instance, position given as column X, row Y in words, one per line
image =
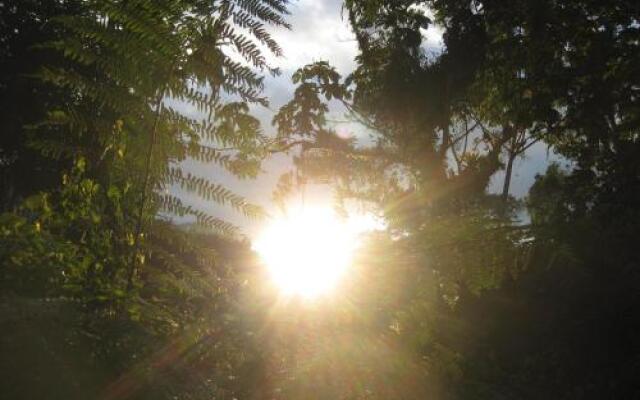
column 128, row 64
column 123, row 77
column 507, row 78
column 24, row 100
column 448, row 238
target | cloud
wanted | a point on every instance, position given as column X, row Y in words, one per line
column 318, row 33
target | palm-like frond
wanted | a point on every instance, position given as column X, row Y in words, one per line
column 127, row 58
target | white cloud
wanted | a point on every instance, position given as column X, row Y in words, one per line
column 318, row 33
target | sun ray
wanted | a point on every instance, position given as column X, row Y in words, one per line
column 308, row 250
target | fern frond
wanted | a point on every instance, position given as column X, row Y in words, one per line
column 132, row 61
column 245, row 20
column 212, row 192
column 173, row 205
column 207, row 154
column 267, row 11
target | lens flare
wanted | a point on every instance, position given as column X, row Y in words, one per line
column 309, row 250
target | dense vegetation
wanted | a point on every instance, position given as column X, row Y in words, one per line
column 461, row 297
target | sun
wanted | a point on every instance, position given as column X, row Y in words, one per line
column 309, row 250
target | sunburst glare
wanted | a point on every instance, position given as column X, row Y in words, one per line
column 309, row 249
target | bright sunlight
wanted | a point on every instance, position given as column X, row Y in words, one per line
column 308, row 250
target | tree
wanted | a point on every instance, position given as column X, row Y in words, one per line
column 24, row 100
column 450, row 238
column 508, row 77
column 129, row 71
column 129, row 64
column 574, row 59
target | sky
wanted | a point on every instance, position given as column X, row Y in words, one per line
column 319, row 32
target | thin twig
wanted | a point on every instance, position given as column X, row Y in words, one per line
column 143, row 200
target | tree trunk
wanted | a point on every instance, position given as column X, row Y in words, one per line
column 507, row 177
